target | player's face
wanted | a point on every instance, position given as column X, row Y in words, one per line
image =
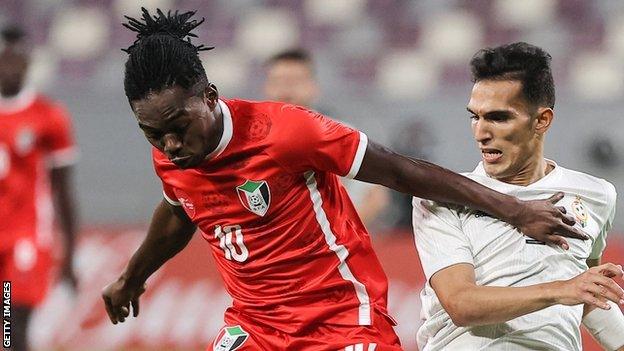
column 291, row 81
column 507, row 129
column 180, row 124
column 13, row 68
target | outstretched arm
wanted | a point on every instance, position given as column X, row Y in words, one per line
column 538, row 219
column 469, row 304
column 169, row 232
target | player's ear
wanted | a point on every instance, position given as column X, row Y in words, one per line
column 543, row 120
column 211, row 95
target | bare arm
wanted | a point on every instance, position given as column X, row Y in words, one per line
column 538, row 219
column 469, row 304
column 169, row 232
column 64, row 204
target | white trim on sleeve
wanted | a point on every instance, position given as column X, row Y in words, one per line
column 63, row 157
column 170, row 200
column 359, row 156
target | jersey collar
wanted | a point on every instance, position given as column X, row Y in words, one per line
column 227, row 131
column 19, row 102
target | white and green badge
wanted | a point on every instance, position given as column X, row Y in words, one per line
column 230, row 338
column 255, row 196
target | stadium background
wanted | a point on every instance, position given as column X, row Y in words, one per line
column 384, row 66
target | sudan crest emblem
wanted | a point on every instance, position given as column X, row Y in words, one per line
column 230, row 339
column 255, row 196
column 580, row 213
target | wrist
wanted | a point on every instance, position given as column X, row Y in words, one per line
column 130, row 281
column 511, row 211
column 551, row 292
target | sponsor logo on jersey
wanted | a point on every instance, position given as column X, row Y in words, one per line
column 479, row 214
column 185, row 201
column 230, row 338
column 255, row 196
column 580, row 213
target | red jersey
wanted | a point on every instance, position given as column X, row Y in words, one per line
column 35, row 134
column 287, row 240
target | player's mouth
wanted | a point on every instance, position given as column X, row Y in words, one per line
column 182, row 161
column 491, row 155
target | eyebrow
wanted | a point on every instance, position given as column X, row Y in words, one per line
column 173, row 115
column 493, row 113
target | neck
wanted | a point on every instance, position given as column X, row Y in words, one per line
column 535, row 168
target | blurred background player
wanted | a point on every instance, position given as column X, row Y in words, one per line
column 291, row 78
column 488, row 287
column 36, row 155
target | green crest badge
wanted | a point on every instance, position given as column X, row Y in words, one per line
column 230, row 338
column 255, row 196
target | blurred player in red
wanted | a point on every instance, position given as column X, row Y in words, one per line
column 36, row 153
column 260, row 180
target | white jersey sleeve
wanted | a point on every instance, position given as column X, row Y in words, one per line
column 601, row 241
column 439, row 237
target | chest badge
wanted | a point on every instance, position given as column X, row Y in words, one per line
column 255, row 196
column 580, row 213
column 24, row 141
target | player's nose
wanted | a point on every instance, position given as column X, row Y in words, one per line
column 172, row 144
column 481, row 131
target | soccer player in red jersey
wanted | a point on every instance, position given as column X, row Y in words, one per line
column 36, row 153
column 260, row 181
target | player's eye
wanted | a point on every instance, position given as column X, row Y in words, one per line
column 473, row 117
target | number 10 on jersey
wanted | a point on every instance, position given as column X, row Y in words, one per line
column 224, row 234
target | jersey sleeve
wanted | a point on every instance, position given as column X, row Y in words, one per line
column 168, row 193
column 306, row 140
column 601, row 241
column 439, row 237
column 59, row 140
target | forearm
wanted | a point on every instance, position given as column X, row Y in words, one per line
column 483, row 305
column 167, row 235
column 64, row 205
column 426, row 180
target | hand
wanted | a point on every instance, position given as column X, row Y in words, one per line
column 118, row 296
column 68, row 274
column 543, row 221
column 593, row 287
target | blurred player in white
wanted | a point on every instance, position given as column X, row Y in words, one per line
column 291, row 78
column 36, row 154
column 488, row 287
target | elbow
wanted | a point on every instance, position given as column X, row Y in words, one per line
column 459, row 318
column 461, row 313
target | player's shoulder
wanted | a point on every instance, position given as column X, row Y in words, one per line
column 248, row 108
column 588, row 183
column 43, row 102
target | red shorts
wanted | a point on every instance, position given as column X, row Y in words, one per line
column 28, row 268
column 240, row 334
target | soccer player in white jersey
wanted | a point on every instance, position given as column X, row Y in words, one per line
column 488, row 287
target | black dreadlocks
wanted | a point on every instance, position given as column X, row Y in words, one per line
column 162, row 55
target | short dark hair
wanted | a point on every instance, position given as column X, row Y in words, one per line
column 12, row 34
column 162, row 55
column 296, row 54
column 520, row 61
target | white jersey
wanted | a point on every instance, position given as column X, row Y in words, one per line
column 502, row 256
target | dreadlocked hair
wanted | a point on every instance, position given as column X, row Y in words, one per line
column 162, row 54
